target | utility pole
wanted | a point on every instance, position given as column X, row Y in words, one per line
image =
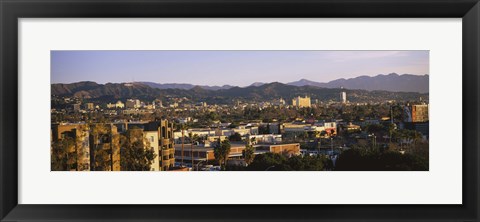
column 319, row 146
column 331, row 144
column 391, row 114
column 191, row 147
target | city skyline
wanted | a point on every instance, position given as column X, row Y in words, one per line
column 274, row 120
column 243, row 67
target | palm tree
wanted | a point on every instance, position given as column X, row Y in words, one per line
column 305, row 136
column 221, row 152
column 391, row 130
column 183, row 138
column 416, row 136
column 98, row 132
column 249, row 152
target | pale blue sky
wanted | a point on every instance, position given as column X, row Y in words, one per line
column 240, row 68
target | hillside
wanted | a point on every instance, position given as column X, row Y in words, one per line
column 391, row 82
column 111, row 92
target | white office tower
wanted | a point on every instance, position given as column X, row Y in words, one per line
column 343, row 97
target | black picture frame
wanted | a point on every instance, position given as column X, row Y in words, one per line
column 11, row 11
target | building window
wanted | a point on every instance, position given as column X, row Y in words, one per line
column 151, row 139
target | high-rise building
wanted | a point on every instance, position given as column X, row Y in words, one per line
column 104, row 147
column 166, row 145
column 301, row 101
column 343, row 97
column 164, row 148
column 416, row 113
column 80, row 146
column 152, row 139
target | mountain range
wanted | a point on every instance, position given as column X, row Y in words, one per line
column 111, row 92
column 391, row 82
column 183, row 86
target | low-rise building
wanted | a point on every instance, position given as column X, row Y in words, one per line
column 201, row 154
column 301, row 102
column 265, row 138
column 89, row 106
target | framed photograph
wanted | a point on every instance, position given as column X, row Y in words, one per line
column 225, row 110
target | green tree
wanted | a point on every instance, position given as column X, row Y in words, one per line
column 271, row 161
column 235, row 137
column 391, row 129
column 416, row 136
column 373, row 160
column 101, row 156
column 221, row 151
column 63, row 156
column 280, row 162
column 248, row 154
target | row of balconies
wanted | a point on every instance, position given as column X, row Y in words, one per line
column 166, row 141
column 168, row 152
column 168, row 162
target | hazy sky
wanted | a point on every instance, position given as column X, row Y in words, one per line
column 240, row 68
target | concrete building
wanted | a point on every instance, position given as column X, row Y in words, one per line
column 294, row 127
column 202, row 154
column 289, row 149
column 275, row 128
column 76, row 107
column 89, row 106
column 301, row 102
column 151, row 136
column 159, row 135
column 200, row 132
column 330, row 128
column 265, row 138
column 416, row 113
column 133, row 104
column 350, row 127
column 166, row 145
column 105, row 147
column 117, row 105
column 79, row 133
column 343, row 97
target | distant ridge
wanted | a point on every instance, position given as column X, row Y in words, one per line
column 112, row 92
column 182, row 86
column 391, row 82
column 257, row 84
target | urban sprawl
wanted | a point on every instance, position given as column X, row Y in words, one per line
column 180, row 134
